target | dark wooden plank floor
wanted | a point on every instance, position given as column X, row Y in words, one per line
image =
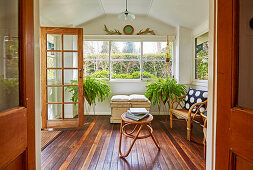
column 95, row 146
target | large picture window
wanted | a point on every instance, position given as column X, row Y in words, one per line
column 96, row 59
column 201, row 57
column 127, row 59
column 154, row 54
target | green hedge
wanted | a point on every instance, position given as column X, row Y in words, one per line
column 134, row 75
column 128, row 69
column 125, row 56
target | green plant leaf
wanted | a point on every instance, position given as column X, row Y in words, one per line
column 164, row 90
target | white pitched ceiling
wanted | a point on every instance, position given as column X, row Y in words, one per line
column 134, row 6
column 188, row 13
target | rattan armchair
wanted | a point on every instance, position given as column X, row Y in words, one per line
column 177, row 109
column 204, row 116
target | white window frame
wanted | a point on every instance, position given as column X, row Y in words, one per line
column 123, row 40
column 132, row 38
column 197, row 81
column 109, row 44
column 172, row 60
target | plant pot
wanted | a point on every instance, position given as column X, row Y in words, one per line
column 87, row 99
column 167, row 60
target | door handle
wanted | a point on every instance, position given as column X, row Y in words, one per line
column 80, row 72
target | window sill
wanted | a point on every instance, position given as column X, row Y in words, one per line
column 200, row 82
column 125, row 80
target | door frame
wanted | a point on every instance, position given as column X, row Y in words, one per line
column 231, row 141
column 212, row 88
column 226, row 62
column 65, row 123
column 26, row 109
column 27, row 74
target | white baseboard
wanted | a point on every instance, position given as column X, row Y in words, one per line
column 109, row 113
column 97, row 113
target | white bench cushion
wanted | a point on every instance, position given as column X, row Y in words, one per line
column 121, row 98
column 137, row 97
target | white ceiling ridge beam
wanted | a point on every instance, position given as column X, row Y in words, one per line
column 101, row 5
column 150, row 6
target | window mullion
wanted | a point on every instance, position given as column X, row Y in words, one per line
column 110, row 65
column 141, row 64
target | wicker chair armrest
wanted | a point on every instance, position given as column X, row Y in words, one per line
column 175, row 100
column 205, row 119
column 194, row 106
column 205, row 123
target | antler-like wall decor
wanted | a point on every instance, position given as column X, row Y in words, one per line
column 146, row 31
column 117, row 32
column 111, row 32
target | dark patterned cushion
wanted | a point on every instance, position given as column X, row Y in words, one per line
column 195, row 96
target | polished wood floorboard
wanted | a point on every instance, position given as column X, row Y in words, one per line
column 96, row 146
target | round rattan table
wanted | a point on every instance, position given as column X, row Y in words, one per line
column 144, row 123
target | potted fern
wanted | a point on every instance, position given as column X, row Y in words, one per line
column 164, row 90
column 93, row 90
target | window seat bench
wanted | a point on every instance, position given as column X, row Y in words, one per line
column 121, row 103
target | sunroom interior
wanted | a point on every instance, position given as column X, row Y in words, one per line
column 164, row 40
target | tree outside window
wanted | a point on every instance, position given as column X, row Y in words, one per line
column 201, row 57
column 126, row 60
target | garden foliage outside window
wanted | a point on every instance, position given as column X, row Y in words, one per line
column 201, row 57
column 96, row 59
column 126, row 60
column 154, row 54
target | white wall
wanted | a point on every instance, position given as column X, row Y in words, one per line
column 201, row 29
column 96, row 26
column 184, row 55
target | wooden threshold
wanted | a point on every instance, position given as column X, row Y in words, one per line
column 62, row 123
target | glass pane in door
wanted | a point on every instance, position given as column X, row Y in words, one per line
column 54, row 42
column 70, row 42
column 54, row 111
column 71, row 94
column 54, row 60
column 54, row 94
column 70, row 59
column 70, row 111
column 70, row 76
column 54, row 77
column 9, row 54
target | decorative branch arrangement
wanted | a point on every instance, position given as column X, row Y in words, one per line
column 112, row 32
column 117, row 32
column 146, row 31
column 167, row 59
